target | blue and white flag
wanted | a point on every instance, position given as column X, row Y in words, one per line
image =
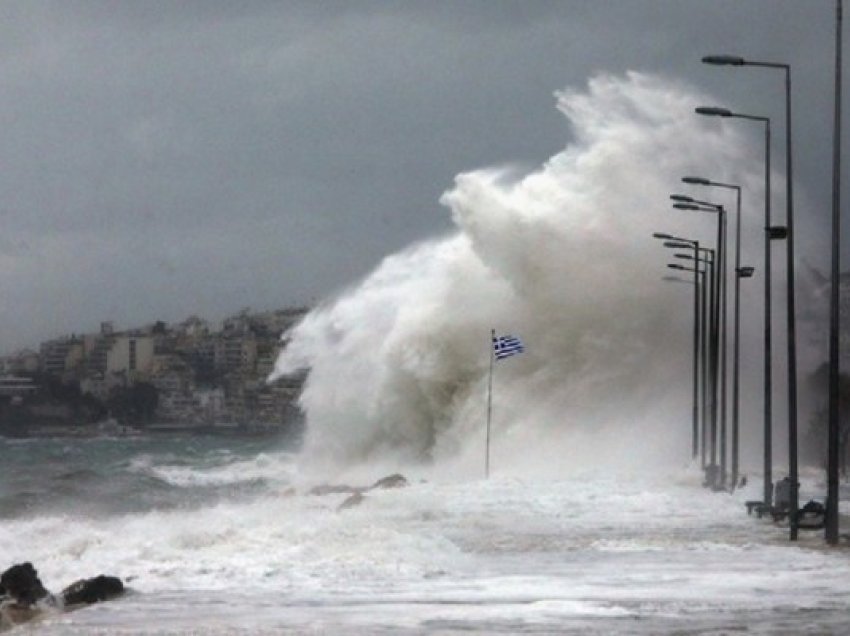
column 506, row 346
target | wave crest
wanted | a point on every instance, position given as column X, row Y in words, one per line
column 561, row 256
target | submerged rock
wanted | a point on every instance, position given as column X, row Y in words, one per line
column 354, row 500
column 396, row 480
column 88, row 591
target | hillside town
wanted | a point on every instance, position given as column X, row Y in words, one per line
column 160, row 377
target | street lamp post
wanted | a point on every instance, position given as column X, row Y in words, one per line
column 707, row 257
column 769, row 233
column 737, row 318
column 709, row 368
column 741, row 272
column 688, row 243
column 719, row 327
column 831, row 530
column 732, row 60
column 699, row 322
column 708, row 274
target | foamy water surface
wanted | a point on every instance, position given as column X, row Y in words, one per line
column 591, row 553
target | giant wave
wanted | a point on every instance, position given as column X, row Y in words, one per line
column 561, row 256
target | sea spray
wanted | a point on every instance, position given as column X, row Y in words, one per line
column 563, row 257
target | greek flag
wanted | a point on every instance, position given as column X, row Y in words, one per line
column 506, row 346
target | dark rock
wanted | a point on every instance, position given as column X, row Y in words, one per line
column 88, row 591
column 23, row 598
column 354, row 500
column 21, row 583
column 395, row 480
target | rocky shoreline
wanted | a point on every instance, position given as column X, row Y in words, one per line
column 23, row 597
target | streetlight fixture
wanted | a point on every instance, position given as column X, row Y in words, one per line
column 712, row 111
column 734, row 60
column 700, row 345
column 709, row 358
column 691, row 244
column 737, row 321
column 684, row 202
column 707, row 256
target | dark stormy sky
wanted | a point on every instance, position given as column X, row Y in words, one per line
column 161, row 159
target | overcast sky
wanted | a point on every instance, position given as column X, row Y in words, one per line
column 162, row 159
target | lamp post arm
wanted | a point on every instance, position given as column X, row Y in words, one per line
column 766, row 64
column 750, row 117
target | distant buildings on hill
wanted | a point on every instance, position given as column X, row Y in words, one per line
column 185, row 374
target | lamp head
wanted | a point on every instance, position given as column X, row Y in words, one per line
column 713, row 111
column 683, row 198
column 777, row 232
column 696, row 181
column 745, row 271
column 678, row 245
column 661, row 235
column 686, row 206
column 724, row 60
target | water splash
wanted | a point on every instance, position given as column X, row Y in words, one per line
column 562, row 257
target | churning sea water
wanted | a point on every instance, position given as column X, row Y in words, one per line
column 103, row 476
column 211, row 539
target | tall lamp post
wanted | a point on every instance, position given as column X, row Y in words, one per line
column 770, row 233
column 736, row 346
column 688, row 243
column 699, row 327
column 706, row 256
column 709, row 383
column 733, row 60
column 684, row 202
column 831, row 530
column 741, row 272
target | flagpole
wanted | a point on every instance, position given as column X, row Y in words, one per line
column 489, row 406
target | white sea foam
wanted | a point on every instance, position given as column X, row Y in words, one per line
column 562, row 257
column 271, row 467
column 504, row 554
